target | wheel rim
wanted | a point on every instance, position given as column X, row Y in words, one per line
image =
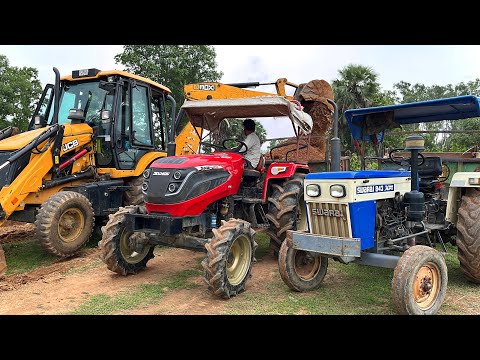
column 301, row 215
column 306, row 265
column 70, row 224
column 427, row 286
column 238, row 260
column 130, row 255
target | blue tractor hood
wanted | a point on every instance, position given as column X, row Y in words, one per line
column 367, row 123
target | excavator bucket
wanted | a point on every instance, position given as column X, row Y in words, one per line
column 3, row 262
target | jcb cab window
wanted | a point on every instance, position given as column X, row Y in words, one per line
column 141, row 128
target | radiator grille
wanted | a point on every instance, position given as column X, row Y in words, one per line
column 322, row 224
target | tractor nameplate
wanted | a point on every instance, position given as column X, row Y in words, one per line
column 328, row 212
column 370, row 189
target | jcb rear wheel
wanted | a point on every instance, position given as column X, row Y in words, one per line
column 133, row 196
column 286, row 210
column 468, row 235
column 3, row 262
column 230, row 254
column 64, row 223
column 419, row 282
column 301, row 270
column 124, row 252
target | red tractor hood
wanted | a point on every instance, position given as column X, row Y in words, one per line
column 186, row 185
column 224, row 159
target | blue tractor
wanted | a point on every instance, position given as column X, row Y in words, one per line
column 394, row 217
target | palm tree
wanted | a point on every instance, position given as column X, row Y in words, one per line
column 356, row 87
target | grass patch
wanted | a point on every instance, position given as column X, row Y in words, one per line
column 354, row 289
column 263, row 241
column 26, row 256
column 81, row 269
column 347, row 289
column 137, row 296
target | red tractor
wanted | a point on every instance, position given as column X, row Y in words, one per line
column 210, row 202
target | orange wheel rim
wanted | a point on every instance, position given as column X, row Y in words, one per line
column 426, row 286
column 306, row 265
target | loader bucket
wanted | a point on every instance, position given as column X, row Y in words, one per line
column 3, row 262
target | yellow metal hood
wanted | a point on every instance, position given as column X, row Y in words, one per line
column 19, row 141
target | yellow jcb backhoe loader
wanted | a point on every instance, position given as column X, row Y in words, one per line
column 89, row 140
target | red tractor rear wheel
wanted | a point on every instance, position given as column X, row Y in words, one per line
column 286, row 210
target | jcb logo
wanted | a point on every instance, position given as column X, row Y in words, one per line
column 70, row 145
column 207, row 87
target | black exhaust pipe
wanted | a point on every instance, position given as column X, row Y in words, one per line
column 56, row 104
column 335, row 144
column 171, row 146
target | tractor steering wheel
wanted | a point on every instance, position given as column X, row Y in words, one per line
column 215, row 146
column 236, row 149
column 445, row 173
column 400, row 160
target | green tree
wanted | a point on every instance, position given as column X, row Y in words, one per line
column 171, row 65
column 20, row 89
column 406, row 92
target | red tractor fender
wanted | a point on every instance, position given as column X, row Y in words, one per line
column 282, row 170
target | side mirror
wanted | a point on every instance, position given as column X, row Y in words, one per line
column 39, row 121
column 106, row 116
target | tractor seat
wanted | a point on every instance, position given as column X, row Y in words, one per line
column 258, row 171
column 428, row 173
column 431, row 168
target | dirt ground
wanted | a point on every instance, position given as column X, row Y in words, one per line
column 62, row 287
column 68, row 285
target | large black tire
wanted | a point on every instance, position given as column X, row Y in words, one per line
column 468, row 235
column 64, row 223
column 286, row 210
column 117, row 244
column 133, row 195
column 300, row 270
column 230, row 255
column 419, row 282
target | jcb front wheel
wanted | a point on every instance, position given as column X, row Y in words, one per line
column 301, row 270
column 123, row 251
column 419, row 281
column 64, row 223
column 230, row 255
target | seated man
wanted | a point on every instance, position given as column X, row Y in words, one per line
column 252, row 156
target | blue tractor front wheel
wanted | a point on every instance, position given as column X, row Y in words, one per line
column 419, row 281
column 301, row 270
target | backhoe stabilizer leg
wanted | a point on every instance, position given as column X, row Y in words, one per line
column 3, row 262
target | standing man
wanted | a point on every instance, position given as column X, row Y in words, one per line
column 252, row 156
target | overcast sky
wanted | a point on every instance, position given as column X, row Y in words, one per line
column 427, row 64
